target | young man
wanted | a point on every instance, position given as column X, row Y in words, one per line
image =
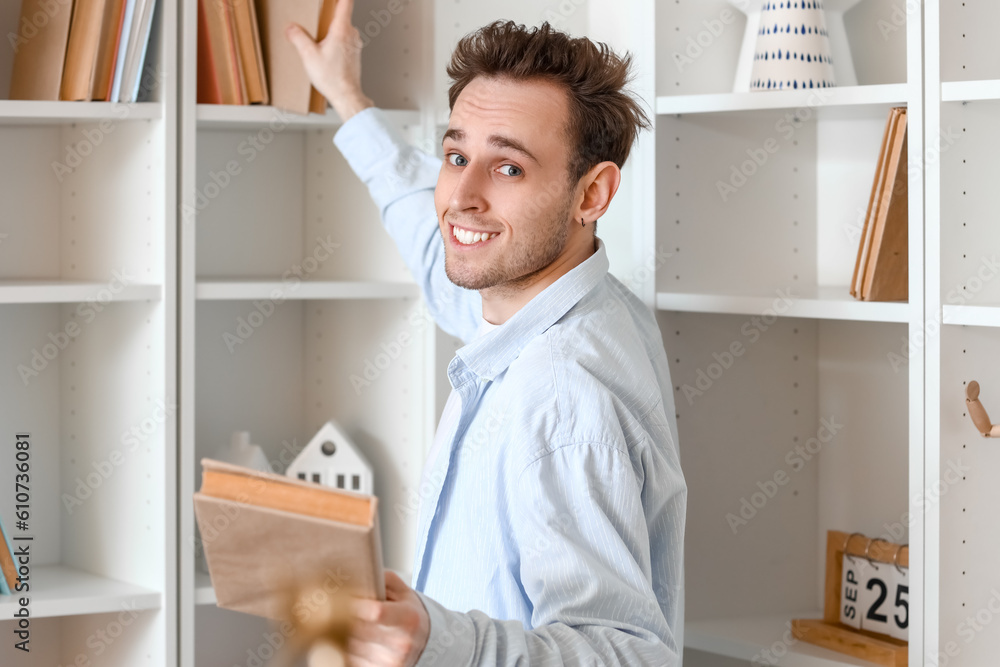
column 554, row 531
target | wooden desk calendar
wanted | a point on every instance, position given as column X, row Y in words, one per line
column 829, row 632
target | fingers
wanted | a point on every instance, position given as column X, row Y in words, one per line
column 302, row 42
column 368, row 654
column 342, row 15
column 382, row 613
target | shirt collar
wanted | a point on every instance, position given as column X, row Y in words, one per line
column 491, row 354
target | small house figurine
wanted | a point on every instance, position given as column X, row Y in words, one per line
column 332, row 459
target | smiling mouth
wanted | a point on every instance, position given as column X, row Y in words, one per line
column 469, row 237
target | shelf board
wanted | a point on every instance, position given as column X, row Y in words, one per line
column 894, row 93
column 31, row 112
column 243, row 290
column 68, row 291
column 204, row 592
column 747, row 638
column 825, row 303
column 64, row 591
column 967, row 91
column 977, row 316
column 234, row 117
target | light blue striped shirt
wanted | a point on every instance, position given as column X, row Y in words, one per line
column 553, row 533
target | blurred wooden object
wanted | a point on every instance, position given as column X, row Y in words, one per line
column 978, row 413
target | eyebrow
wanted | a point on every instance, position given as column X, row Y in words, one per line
column 497, row 140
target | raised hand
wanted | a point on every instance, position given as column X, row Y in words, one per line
column 334, row 63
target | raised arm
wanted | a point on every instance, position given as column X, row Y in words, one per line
column 400, row 178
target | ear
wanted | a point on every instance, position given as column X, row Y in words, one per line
column 599, row 186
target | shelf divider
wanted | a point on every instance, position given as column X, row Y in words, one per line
column 763, row 638
column 968, row 91
column 243, row 290
column 33, row 112
column 70, row 291
column 892, row 93
column 57, row 590
column 826, row 303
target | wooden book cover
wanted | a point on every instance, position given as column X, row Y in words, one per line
column 209, row 90
column 290, row 86
column 263, row 534
column 317, row 103
column 887, row 274
column 81, row 51
column 223, row 53
column 39, row 56
column 251, row 57
column 865, row 240
column 107, row 51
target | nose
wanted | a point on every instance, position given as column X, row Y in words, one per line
column 468, row 194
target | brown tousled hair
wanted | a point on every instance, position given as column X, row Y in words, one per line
column 604, row 119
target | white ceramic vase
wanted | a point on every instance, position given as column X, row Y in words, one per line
column 793, row 47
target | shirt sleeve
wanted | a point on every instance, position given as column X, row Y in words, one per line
column 401, row 180
column 585, row 567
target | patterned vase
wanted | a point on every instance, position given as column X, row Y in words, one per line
column 793, row 47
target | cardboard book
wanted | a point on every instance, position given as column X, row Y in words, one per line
column 266, row 534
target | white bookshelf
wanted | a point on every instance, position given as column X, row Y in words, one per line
column 963, row 99
column 288, row 245
column 150, row 201
column 88, row 338
column 760, row 266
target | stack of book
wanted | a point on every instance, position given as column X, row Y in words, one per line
column 245, row 58
column 84, row 50
column 880, row 272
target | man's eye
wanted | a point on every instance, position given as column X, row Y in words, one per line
column 515, row 171
column 456, row 159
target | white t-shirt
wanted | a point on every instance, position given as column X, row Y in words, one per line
column 450, row 415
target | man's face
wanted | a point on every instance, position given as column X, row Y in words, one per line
column 504, row 177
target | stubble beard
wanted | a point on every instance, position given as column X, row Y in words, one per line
column 518, row 265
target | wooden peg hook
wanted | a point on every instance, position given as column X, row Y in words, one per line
column 978, row 413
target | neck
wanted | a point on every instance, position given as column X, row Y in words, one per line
column 501, row 302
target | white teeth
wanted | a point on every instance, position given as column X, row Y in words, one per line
column 467, row 237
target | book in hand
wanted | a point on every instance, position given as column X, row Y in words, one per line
column 290, row 87
column 264, row 534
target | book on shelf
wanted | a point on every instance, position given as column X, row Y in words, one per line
column 250, row 51
column 220, row 74
column 133, row 51
column 8, row 566
column 881, row 268
column 86, row 50
column 265, row 534
column 107, row 50
column 244, row 56
column 39, row 57
column 291, row 89
column 81, row 50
